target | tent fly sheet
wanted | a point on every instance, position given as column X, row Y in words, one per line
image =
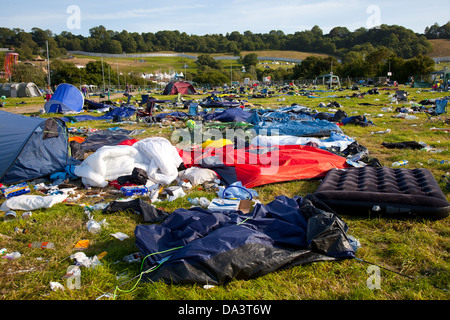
column 199, row 246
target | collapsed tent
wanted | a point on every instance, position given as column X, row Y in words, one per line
column 336, row 141
column 200, row 246
column 66, row 99
column 116, row 113
column 310, row 128
column 179, row 87
column 228, row 115
column 20, row 90
column 32, row 147
column 155, row 155
column 255, row 166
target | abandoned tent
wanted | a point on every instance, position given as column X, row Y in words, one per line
column 28, row 139
column 66, row 99
column 179, row 87
column 19, row 90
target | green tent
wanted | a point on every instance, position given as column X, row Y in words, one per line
column 441, row 75
column 435, row 78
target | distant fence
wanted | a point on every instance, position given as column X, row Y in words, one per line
column 132, row 55
column 441, row 59
column 181, row 55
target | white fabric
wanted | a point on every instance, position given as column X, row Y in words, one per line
column 27, row 202
column 108, row 163
column 268, row 141
column 156, row 155
column 197, row 175
column 161, row 157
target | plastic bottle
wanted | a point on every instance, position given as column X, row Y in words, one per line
column 204, row 202
column 42, row 245
column 134, row 257
column 194, row 201
column 400, row 163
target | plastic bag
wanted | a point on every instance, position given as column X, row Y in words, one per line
column 32, row 202
column 236, row 191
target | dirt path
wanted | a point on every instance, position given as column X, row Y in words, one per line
column 21, row 109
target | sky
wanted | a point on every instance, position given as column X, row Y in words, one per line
column 200, row 17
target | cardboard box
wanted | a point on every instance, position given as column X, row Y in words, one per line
column 219, row 205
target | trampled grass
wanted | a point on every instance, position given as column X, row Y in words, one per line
column 412, row 253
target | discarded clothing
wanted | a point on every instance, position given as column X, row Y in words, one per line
column 404, row 145
column 148, row 212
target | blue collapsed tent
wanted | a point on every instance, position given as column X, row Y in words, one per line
column 200, row 246
column 66, row 99
column 119, row 112
column 32, row 147
column 228, row 115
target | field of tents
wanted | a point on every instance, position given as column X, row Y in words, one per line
column 253, row 193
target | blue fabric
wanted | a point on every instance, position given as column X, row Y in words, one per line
column 229, row 115
column 194, row 238
column 122, row 112
column 29, row 155
column 297, row 128
column 66, row 98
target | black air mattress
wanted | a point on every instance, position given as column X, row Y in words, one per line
column 384, row 191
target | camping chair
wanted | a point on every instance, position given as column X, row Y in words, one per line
column 401, row 95
column 144, row 100
column 147, row 115
column 438, row 113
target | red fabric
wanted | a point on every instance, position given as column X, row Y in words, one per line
column 282, row 163
column 128, row 142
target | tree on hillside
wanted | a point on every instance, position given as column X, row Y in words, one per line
column 438, row 32
column 206, row 60
column 211, row 76
column 66, row 72
column 249, row 60
column 29, row 73
column 314, row 66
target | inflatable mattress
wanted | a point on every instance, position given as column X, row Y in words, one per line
column 383, row 191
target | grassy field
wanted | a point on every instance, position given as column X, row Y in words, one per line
column 413, row 253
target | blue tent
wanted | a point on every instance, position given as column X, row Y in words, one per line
column 66, row 99
column 32, row 147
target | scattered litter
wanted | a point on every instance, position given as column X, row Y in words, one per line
column 381, row 132
column 208, row 286
column 81, row 245
column 120, row 235
column 15, row 190
column 84, row 261
column 12, row 256
column 134, row 257
column 400, row 163
column 55, row 286
column 32, row 202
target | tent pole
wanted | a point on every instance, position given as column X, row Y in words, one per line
column 48, row 64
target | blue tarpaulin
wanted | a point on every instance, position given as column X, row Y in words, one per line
column 200, row 246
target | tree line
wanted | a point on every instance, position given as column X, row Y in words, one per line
column 340, row 40
column 361, row 53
